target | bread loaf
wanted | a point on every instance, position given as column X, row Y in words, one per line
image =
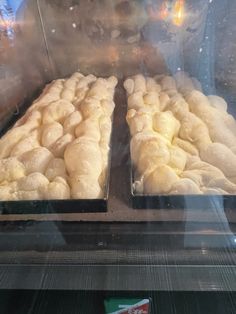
column 60, row 148
column 182, row 142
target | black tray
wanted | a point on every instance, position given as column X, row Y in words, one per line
column 54, row 206
column 183, row 201
column 58, row 206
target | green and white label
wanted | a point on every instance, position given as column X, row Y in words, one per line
column 127, row 306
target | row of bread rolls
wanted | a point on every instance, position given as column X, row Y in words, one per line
column 182, row 142
column 60, row 148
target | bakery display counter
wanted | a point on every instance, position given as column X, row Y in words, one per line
column 146, row 121
column 125, row 249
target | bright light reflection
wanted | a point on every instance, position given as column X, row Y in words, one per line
column 168, row 11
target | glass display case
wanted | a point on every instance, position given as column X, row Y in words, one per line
column 117, row 153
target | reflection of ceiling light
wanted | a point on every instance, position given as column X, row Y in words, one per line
column 178, row 13
column 169, row 11
column 235, row 240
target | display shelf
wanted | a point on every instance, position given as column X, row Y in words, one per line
column 106, row 256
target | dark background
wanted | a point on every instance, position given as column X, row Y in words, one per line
column 91, row 302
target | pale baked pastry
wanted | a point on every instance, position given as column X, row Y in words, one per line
column 60, row 148
column 182, row 142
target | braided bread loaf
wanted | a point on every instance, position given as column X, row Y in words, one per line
column 60, row 148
